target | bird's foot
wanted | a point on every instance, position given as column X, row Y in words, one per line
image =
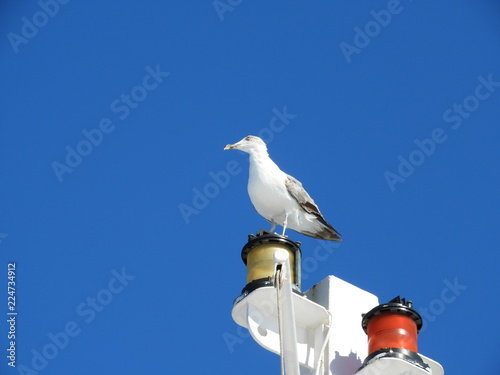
column 285, row 222
column 273, row 227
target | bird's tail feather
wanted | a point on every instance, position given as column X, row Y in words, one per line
column 326, row 233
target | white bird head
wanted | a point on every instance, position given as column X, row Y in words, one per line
column 248, row 144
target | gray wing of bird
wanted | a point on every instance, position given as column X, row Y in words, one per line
column 304, row 200
column 297, row 192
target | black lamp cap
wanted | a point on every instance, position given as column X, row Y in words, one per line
column 396, row 305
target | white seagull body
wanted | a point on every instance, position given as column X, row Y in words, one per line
column 279, row 197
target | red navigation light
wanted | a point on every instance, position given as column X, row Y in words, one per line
column 392, row 330
column 392, row 333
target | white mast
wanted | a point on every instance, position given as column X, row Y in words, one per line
column 320, row 331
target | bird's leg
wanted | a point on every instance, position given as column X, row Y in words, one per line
column 284, row 224
column 273, row 226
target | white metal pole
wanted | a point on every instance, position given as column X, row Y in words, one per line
column 288, row 334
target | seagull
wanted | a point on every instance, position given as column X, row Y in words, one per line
column 280, row 198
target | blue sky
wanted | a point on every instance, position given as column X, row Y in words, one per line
column 125, row 218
